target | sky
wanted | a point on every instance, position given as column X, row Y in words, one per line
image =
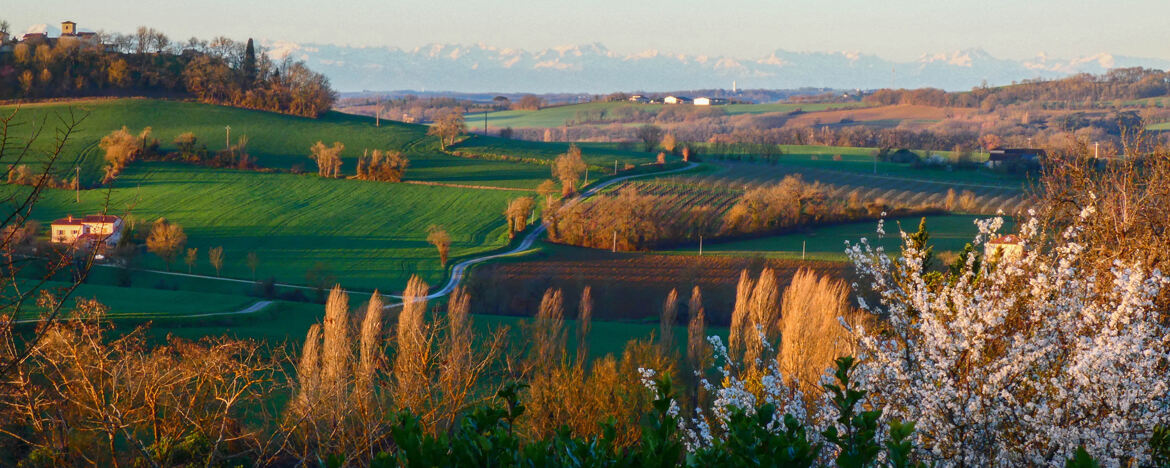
column 899, row 30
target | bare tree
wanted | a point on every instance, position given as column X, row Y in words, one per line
column 547, row 189
column 438, row 237
column 166, row 239
column 215, row 257
column 568, row 167
column 191, row 259
column 517, row 214
column 650, row 136
column 328, row 158
column 448, row 127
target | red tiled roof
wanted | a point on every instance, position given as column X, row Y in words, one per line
column 70, row 221
column 1008, row 239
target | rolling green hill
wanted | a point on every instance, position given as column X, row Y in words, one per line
column 274, row 140
column 369, row 234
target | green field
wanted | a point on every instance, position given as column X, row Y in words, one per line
column 370, row 234
column 558, row 116
column 947, row 233
column 601, row 155
column 142, row 302
column 274, row 140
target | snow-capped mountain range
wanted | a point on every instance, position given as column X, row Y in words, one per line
column 593, row 68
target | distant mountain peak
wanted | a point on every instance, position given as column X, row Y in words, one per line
column 594, row 68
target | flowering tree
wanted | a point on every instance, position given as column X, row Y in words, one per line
column 1020, row 361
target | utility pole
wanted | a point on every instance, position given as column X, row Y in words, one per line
column 378, row 115
column 700, row 245
column 227, row 138
column 875, row 163
column 802, row 245
column 77, row 183
column 485, row 123
column 615, row 241
column 586, row 177
column 615, row 167
column 1096, row 150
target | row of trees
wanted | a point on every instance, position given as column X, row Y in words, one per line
column 221, row 71
column 1119, row 83
column 629, row 220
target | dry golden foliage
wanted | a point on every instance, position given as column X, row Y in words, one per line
column 215, row 257
column 952, row 200
column 584, row 323
column 811, row 330
column 438, row 237
column 309, row 368
column 336, row 350
column 667, row 321
column 570, row 395
column 548, row 190
column 548, row 341
column 740, row 316
column 382, row 166
column 328, row 158
column 764, row 316
column 968, row 202
column 166, row 239
column 696, row 332
column 413, row 352
column 370, row 352
column 517, row 214
column 568, row 168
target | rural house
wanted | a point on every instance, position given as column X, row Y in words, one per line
column 676, row 100
column 706, row 101
column 1008, row 247
column 640, row 99
column 92, row 230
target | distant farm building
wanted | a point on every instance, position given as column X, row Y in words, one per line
column 1009, row 247
column 707, row 101
column 90, row 231
column 1015, row 155
column 638, row 98
column 676, row 100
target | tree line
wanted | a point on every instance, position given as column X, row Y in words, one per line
column 219, row 71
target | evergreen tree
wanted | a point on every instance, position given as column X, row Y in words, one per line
column 249, row 66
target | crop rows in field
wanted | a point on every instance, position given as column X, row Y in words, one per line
column 677, row 196
column 989, row 199
column 628, row 286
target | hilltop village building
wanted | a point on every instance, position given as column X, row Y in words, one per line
column 676, row 100
column 709, row 101
column 90, row 231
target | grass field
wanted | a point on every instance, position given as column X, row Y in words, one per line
column 947, row 233
column 276, row 140
column 370, row 234
column 601, row 155
column 142, row 302
column 557, row 116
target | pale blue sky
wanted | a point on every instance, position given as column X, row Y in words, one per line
column 893, row 29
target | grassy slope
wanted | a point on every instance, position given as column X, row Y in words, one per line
column 146, row 302
column 372, row 235
column 279, row 141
